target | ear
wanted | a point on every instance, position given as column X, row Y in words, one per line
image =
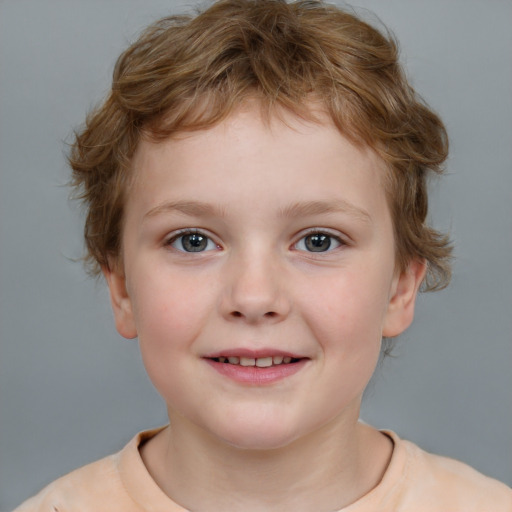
column 405, row 288
column 121, row 302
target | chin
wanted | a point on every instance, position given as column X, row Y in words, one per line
column 259, row 436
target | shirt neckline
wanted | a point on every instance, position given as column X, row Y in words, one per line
column 143, row 490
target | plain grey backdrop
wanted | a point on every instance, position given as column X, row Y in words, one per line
column 72, row 390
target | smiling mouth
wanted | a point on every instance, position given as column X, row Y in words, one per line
column 259, row 362
column 256, row 368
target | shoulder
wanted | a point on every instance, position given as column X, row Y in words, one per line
column 82, row 489
column 97, row 487
column 439, row 483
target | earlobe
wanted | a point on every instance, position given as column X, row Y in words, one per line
column 400, row 313
column 121, row 303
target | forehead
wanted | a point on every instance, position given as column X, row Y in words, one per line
column 249, row 157
column 249, row 136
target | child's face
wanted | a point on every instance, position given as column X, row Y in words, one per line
column 245, row 241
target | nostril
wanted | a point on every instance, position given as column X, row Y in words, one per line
column 269, row 314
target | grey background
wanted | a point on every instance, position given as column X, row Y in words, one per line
column 72, row 390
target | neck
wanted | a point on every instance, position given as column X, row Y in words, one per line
column 326, row 471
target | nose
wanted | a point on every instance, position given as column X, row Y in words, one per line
column 255, row 290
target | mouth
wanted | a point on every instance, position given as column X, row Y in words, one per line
column 256, row 368
column 258, row 362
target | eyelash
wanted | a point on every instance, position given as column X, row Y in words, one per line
column 312, row 232
column 188, row 232
column 326, row 233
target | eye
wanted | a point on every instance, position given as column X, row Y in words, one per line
column 192, row 241
column 318, row 241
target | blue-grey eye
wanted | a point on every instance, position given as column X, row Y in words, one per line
column 193, row 242
column 318, row 242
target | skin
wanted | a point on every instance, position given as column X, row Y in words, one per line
column 256, row 190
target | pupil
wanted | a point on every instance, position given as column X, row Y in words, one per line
column 318, row 242
column 194, row 242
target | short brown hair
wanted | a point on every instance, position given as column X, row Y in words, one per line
column 190, row 72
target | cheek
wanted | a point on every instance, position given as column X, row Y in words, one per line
column 348, row 312
column 167, row 305
column 161, row 318
column 167, row 330
column 346, row 320
column 169, row 316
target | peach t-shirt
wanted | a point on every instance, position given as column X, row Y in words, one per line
column 415, row 481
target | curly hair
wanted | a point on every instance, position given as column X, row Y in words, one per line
column 190, row 72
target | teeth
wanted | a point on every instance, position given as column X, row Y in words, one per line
column 264, row 362
column 260, row 362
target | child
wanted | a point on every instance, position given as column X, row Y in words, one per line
column 256, row 193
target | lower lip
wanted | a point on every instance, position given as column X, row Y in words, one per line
column 255, row 375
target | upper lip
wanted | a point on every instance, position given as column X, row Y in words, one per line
column 252, row 353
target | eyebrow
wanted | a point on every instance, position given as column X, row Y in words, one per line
column 201, row 209
column 191, row 208
column 323, row 207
